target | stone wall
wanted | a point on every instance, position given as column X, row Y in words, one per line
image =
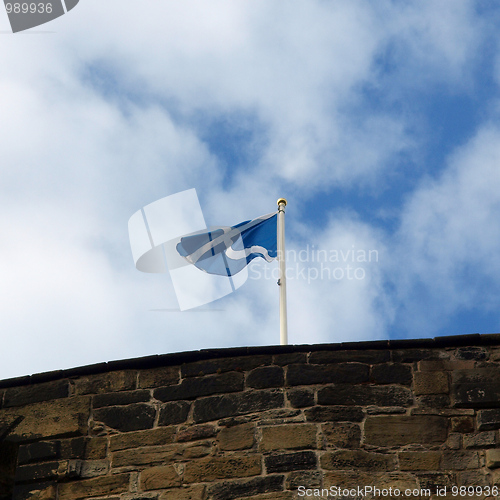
column 260, row 423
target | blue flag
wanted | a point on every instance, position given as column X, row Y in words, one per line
column 227, row 250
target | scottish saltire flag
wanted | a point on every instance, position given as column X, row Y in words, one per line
column 225, row 251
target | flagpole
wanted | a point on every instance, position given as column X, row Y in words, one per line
column 282, row 279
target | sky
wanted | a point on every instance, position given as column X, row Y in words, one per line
column 379, row 122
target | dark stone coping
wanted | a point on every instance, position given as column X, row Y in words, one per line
column 177, row 358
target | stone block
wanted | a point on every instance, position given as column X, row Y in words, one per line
column 485, row 439
column 287, row 462
column 216, row 407
column 473, row 478
column 33, row 452
column 342, row 434
column 431, row 480
column 290, row 358
column 44, row 471
column 164, row 454
column 95, row 448
column 430, row 383
column 342, row 373
column 147, row 455
column 159, row 436
column 308, row 479
column 175, row 412
column 238, row 437
column 488, row 420
column 133, row 417
column 471, row 353
column 493, row 458
column 48, row 419
column 397, row 430
column 334, row 414
column 479, row 388
column 196, row 432
column 445, row 412
column 123, row 380
column 462, row 424
column 495, row 479
column 454, row 460
column 35, row 393
column 351, row 479
column 120, row 398
column 213, row 468
column 359, row 460
column 93, row 468
column 416, row 354
column 71, row 448
column 243, row 363
column 477, row 375
column 196, row 450
column 369, row 356
column 8, row 455
column 444, row 365
column 300, row 397
column 434, row 401
column 419, row 460
column 157, row 478
column 158, row 377
column 363, row 395
column 391, row 373
column 476, row 396
column 192, row 388
column 229, row 490
column 232, row 421
column 265, row 377
column 196, row 492
column 454, row 441
column 101, row 486
column 278, row 416
column 288, row 437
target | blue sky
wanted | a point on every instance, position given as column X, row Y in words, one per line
column 379, row 122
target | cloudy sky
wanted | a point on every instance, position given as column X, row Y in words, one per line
column 378, row 121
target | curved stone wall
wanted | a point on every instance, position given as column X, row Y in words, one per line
column 364, row 420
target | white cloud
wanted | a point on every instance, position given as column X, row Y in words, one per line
column 55, row 291
column 295, row 68
column 431, row 43
column 449, row 240
column 100, row 118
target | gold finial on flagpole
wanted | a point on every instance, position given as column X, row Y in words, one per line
column 281, row 201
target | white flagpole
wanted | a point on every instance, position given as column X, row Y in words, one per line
column 282, row 279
